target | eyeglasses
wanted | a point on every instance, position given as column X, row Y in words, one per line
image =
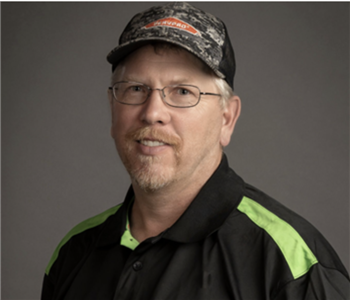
column 179, row 95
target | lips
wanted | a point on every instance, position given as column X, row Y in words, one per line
column 153, row 140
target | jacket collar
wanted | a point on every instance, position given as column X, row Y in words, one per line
column 210, row 208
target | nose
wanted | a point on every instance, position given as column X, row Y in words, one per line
column 155, row 110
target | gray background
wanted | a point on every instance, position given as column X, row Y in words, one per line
column 59, row 164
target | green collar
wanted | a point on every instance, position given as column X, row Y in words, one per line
column 127, row 239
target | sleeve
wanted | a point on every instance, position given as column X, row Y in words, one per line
column 320, row 283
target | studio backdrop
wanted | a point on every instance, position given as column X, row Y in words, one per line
column 59, row 163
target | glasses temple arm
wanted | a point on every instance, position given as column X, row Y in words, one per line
column 212, row 94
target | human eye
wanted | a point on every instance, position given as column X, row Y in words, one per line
column 182, row 91
column 131, row 92
column 135, row 88
column 183, row 95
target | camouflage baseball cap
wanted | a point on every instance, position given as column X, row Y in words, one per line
column 179, row 23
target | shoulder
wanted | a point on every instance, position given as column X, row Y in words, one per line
column 83, row 234
column 300, row 243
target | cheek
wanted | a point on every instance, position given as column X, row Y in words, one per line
column 122, row 121
column 115, row 129
column 201, row 129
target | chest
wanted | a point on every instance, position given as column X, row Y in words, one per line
column 210, row 269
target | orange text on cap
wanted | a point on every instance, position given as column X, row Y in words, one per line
column 174, row 23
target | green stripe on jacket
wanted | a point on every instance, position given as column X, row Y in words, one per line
column 81, row 227
column 296, row 252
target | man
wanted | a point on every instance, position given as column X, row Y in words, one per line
column 189, row 228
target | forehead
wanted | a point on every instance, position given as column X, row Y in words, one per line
column 163, row 57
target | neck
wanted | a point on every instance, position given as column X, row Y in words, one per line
column 153, row 212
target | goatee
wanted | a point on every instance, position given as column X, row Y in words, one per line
column 148, row 171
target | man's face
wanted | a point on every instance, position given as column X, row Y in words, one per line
column 163, row 146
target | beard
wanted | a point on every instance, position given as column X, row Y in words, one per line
column 148, row 171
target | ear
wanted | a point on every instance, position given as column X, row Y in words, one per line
column 231, row 113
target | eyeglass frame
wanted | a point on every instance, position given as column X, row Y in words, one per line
column 163, row 95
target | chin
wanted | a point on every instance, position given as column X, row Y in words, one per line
column 149, row 174
column 150, row 184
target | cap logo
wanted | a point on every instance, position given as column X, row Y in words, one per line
column 174, row 23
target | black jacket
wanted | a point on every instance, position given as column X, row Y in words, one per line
column 233, row 242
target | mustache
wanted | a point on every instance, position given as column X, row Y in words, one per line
column 156, row 134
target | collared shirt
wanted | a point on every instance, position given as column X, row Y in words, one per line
column 233, row 242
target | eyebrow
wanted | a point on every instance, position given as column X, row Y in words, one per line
column 182, row 80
